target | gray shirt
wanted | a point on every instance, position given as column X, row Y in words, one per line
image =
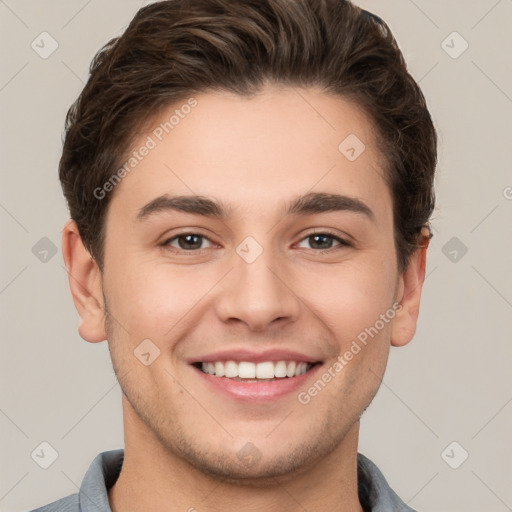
column 374, row 492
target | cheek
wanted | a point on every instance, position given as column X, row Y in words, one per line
column 350, row 298
column 150, row 298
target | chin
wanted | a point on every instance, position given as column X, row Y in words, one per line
column 251, row 466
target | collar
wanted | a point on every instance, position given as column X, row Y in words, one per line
column 374, row 492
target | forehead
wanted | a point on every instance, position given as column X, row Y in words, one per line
column 250, row 152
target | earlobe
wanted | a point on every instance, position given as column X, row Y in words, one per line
column 409, row 289
column 85, row 283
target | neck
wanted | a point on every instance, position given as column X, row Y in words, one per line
column 154, row 479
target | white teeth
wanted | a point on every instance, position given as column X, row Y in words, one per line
column 219, row 369
column 280, row 369
column 265, row 370
column 290, row 369
column 231, row 369
column 248, row 370
column 301, row 369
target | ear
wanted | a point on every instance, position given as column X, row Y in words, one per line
column 409, row 287
column 85, row 283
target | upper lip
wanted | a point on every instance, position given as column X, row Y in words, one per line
column 254, row 357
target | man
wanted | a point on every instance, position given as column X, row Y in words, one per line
column 250, row 185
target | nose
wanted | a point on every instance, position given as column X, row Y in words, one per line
column 258, row 294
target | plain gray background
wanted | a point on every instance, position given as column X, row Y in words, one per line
column 451, row 384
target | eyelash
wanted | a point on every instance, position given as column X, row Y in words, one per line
column 342, row 242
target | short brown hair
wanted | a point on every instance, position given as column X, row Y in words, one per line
column 176, row 48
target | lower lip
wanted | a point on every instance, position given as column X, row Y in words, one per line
column 260, row 391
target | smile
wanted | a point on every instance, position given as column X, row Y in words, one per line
column 265, row 370
column 246, row 377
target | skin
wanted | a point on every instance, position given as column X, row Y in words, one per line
column 255, row 156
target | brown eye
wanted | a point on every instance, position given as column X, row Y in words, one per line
column 187, row 242
column 323, row 241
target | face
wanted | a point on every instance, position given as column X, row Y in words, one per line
column 252, row 298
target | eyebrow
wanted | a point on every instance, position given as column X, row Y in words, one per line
column 313, row 202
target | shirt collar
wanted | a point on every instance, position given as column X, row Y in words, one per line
column 374, row 492
column 101, row 476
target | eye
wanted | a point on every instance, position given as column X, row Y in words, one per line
column 323, row 241
column 194, row 242
column 187, row 242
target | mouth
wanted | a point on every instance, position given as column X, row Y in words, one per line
column 247, row 371
column 263, row 379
